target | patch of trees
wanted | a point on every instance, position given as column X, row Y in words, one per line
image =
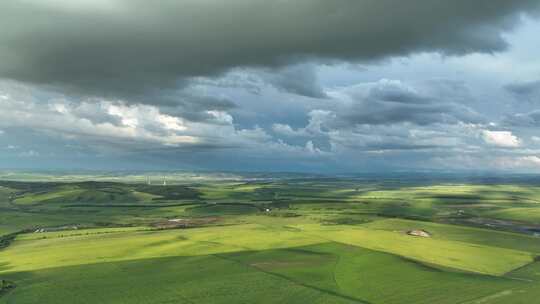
column 30, row 187
column 173, row 192
column 6, row 240
column 5, row 286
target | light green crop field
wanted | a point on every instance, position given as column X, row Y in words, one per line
column 92, row 248
column 454, row 254
column 462, row 234
column 372, row 276
column 199, row 279
column 278, row 240
column 530, row 214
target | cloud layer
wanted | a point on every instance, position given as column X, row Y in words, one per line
column 121, row 48
column 309, row 85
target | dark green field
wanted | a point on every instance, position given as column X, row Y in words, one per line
column 288, row 239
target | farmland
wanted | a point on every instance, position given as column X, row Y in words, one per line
column 284, row 239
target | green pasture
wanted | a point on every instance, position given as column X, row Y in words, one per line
column 28, row 254
column 198, row 279
column 530, row 215
column 372, row 276
column 39, row 251
column 462, row 234
column 297, row 240
column 42, row 197
column 453, row 254
column 318, row 273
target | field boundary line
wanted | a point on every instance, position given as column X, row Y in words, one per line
column 536, row 259
column 346, row 297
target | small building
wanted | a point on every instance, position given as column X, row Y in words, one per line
column 419, row 232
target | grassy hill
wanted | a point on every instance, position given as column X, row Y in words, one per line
column 294, row 241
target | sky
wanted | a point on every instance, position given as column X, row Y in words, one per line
column 342, row 86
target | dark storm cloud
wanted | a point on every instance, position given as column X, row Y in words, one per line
column 136, row 48
column 389, row 102
column 299, row 79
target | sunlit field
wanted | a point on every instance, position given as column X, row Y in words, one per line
column 288, row 240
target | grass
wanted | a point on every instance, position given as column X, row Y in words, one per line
column 200, row 279
column 6, row 230
column 531, row 215
column 453, row 254
column 372, row 276
column 77, row 233
column 42, row 197
column 36, row 252
column 525, row 294
column 28, row 254
column 462, row 234
column 324, row 241
column 319, row 273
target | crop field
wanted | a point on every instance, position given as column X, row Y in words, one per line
column 230, row 239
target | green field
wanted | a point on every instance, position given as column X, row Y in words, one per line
column 530, row 214
column 281, row 240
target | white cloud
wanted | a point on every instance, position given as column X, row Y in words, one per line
column 286, row 130
column 221, row 117
column 504, row 139
column 110, row 121
column 121, row 125
column 317, row 121
column 311, row 148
